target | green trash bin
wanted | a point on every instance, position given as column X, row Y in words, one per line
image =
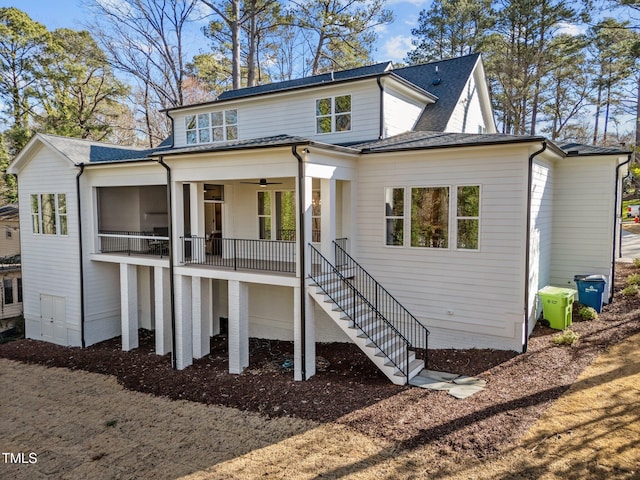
column 557, row 306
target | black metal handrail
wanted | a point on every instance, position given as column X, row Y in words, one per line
column 395, row 313
column 239, row 254
column 133, row 243
column 323, row 270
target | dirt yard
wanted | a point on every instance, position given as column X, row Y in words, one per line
column 262, row 425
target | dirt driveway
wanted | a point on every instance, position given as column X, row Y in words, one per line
column 83, row 425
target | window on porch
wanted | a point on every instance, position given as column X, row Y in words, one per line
column 279, row 222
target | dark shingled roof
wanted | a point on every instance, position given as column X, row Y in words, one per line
column 425, row 140
column 87, row 151
column 581, row 149
column 264, row 142
column 351, row 74
column 9, row 212
column 447, row 84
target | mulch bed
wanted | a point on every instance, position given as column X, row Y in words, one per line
column 350, row 390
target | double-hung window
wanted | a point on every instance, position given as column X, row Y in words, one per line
column 394, row 216
column 212, row 127
column 49, row 213
column 333, row 114
column 468, row 217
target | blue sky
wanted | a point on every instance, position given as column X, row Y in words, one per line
column 394, row 40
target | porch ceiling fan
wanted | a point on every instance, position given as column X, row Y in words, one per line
column 263, row 183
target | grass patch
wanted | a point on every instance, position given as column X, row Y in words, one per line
column 630, row 290
column 636, row 262
column 633, row 279
column 587, row 313
column 566, row 337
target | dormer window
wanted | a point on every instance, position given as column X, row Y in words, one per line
column 212, row 127
column 333, row 114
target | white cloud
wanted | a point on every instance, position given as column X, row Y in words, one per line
column 570, row 29
column 396, row 48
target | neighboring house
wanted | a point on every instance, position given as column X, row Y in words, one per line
column 251, row 219
column 11, row 293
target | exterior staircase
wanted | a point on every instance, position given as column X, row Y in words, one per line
column 375, row 321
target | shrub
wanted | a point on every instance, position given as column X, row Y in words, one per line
column 633, row 279
column 630, row 290
column 636, row 262
column 566, row 337
column 587, row 313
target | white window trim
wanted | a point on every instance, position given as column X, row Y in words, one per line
column 333, row 114
column 403, row 217
column 452, row 218
column 456, row 217
column 210, row 128
column 57, row 215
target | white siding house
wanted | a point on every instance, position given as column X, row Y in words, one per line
column 375, row 206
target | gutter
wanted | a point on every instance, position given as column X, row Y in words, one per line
column 379, row 82
column 528, row 246
column 301, row 254
column 82, row 315
column 615, row 228
column 171, row 281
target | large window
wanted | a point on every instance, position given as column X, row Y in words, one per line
column 49, row 213
column 430, row 217
column 468, row 217
column 212, row 127
column 333, row 114
column 394, row 216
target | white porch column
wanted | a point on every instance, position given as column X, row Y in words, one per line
column 162, row 297
column 309, row 336
column 196, row 202
column 177, row 195
column 306, row 228
column 184, row 335
column 328, row 216
column 200, row 312
column 145, row 298
column 238, row 326
column 129, row 306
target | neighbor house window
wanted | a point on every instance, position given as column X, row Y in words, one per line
column 7, row 284
column 49, row 213
column 212, row 127
column 468, row 217
column 430, row 217
column 19, row 290
column 333, row 114
column 394, row 216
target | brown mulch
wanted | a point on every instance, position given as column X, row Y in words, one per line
column 348, row 388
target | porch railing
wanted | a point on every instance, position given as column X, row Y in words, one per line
column 133, row 243
column 240, row 254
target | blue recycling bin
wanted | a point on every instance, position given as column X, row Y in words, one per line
column 591, row 290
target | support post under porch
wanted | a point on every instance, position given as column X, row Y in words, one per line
column 201, row 314
column 309, row 333
column 238, row 326
column 162, row 310
column 129, row 306
column 184, row 335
